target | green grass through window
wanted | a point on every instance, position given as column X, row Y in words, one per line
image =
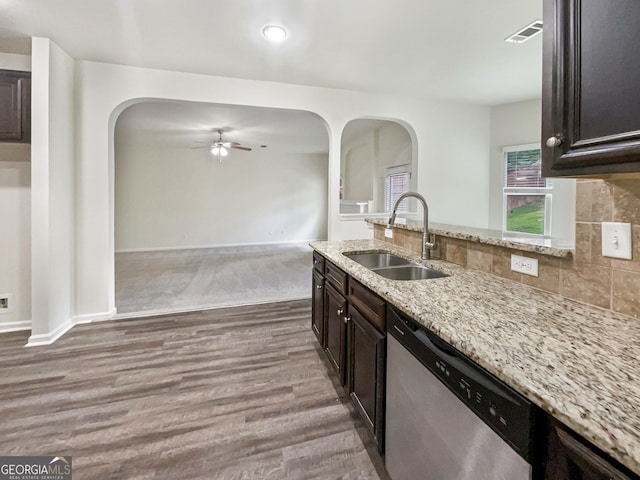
column 528, row 218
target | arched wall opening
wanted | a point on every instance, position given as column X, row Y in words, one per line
column 378, row 162
column 170, row 194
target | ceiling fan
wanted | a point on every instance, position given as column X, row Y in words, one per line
column 220, row 148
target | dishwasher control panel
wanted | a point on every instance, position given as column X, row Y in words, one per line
column 507, row 412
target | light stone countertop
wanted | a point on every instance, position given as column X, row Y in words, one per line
column 487, row 236
column 579, row 363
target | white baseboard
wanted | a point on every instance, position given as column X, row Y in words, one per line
column 6, row 327
column 223, row 245
column 95, row 317
column 49, row 338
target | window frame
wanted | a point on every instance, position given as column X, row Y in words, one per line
column 547, row 191
column 390, row 172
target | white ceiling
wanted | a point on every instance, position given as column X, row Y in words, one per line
column 451, row 49
column 447, row 49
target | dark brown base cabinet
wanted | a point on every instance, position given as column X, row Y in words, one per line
column 572, row 458
column 348, row 320
column 335, row 308
column 367, row 354
column 317, row 310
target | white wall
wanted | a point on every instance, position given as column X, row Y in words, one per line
column 453, row 168
column 171, row 197
column 52, row 157
column 104, row 90
column 520, row 124
column 15, row 233
column 13, row 61
column 15, row 238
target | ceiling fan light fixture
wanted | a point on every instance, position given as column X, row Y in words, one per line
column 274, row 33
column 224, row 152
column 215, row 150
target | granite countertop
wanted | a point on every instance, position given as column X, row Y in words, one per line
column 577, row 362
column 487, row 236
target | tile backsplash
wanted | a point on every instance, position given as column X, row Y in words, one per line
column 588, row 277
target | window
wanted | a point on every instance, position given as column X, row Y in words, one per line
column 396, row 185
column 526, row 194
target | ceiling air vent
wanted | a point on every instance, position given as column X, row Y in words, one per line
column 525, row 33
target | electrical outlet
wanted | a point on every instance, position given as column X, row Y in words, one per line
column 6, row 303
column 616, row 240
column 526, row 265
column 388, row 232
column 401, row 221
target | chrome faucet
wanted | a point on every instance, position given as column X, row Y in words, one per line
column 427, row 246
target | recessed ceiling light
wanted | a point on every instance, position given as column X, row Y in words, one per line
column 525, row 33
column 274, row 33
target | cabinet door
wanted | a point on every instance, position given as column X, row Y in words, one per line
column 571, row 458
column 591, row 87
column 15, row 106
column 335, row 312
column 366, row 372
column 317, row 311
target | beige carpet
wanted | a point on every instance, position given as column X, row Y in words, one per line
column 182, row 280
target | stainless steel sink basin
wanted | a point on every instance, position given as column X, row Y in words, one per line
column 409, row 272
column 378, row 260
column 394, row 267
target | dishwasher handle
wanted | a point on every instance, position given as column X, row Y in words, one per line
column 454, row 360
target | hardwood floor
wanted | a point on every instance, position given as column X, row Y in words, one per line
column 236, row 393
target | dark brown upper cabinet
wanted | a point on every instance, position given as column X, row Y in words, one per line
column 15, row 106
column 591, row 87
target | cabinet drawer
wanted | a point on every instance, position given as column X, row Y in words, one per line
column 368, row 303
column 318, row 262
column 336, row 277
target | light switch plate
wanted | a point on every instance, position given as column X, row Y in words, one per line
column 616, row 240
column 388, row 232
column 526, row 265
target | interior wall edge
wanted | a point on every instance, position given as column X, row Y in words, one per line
column 95, row 317
column 48, row 338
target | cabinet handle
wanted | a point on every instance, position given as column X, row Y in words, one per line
column 346, row 320
column 553, row 142
column 340, row 311
column 319, row 287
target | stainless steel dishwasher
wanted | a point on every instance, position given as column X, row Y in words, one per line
column 446, row 417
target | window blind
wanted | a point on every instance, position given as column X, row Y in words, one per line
column 397, row 184
column 522, row 169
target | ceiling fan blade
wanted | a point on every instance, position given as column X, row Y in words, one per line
column 239, row 147
column 203, row 146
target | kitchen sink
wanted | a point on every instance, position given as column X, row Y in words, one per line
column 409, row 272
column 394, row 267
column 378, row 260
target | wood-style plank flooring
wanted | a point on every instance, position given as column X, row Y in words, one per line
column 236, row 393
